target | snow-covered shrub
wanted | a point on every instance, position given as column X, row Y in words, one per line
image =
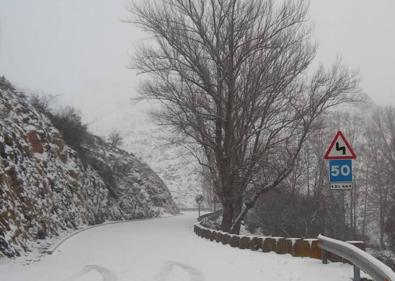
column 75, row 133
column 288, row 213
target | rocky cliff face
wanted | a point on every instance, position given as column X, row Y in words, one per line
column 45, row 188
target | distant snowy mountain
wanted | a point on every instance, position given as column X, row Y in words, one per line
column 179, row 170
column 148, row 141
column 45, row 187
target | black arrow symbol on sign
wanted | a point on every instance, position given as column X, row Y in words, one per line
column 342, row 148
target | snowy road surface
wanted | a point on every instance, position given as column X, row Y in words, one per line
column 164, row 249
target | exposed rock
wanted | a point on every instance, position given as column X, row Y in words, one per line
column 35, row 142
column 45, row 188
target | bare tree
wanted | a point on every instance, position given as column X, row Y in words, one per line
column 42, row 103
column 390, row 227
column 115, row 138
column 381, row 153
column 233, row 77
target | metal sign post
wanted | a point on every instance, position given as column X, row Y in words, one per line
column 199, row 199
column 340, row 155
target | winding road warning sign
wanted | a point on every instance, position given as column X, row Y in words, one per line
column 340, row 148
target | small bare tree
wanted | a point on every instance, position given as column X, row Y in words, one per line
column 115, row 138
column 232, row 76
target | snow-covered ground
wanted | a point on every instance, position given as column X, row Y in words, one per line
column 164, row 249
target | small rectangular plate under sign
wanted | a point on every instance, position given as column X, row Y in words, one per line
column 341, row 185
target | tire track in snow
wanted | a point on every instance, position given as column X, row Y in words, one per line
column 194, row 274
column 107, row 274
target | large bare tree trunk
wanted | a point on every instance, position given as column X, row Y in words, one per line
column 227, row 218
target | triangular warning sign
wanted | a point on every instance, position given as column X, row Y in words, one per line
column 340, row 148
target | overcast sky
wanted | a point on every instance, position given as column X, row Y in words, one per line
column 79, row 50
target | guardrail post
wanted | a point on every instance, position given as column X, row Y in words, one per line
column 324, row 256
column 357, row 273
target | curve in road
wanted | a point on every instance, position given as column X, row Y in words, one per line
column 164, row 249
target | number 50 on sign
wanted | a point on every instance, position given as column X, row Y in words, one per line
column 340, row 173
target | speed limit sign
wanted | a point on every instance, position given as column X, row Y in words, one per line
column 340, row 174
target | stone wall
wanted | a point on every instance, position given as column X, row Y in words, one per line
column 296, row 247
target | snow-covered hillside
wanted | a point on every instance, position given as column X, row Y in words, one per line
column 179, row 170
column 148, row 141
column 47, row 189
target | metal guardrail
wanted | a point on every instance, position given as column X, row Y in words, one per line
column 212, row 214
column 360, row 259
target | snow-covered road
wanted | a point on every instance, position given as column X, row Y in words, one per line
column 164, row 249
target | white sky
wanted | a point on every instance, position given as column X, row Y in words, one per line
column 79, row 50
